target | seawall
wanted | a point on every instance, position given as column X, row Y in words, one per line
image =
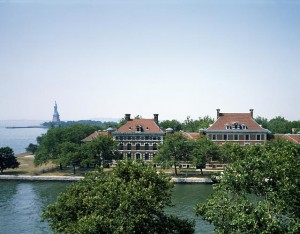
column 76, row 178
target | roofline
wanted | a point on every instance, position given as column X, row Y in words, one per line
column 237, row 131
column 138, row 133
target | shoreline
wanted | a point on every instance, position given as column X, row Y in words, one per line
column 176, row 180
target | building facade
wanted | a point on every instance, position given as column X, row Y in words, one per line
column 139, row 138
column 240, row 128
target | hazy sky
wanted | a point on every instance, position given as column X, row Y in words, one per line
column 106, row 58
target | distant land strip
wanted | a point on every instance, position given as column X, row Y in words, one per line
column 27, row 127
column 76, row 178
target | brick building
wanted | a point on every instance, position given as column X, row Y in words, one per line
column 238, row 128
column 139, row 138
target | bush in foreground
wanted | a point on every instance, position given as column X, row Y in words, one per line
column 131, row 199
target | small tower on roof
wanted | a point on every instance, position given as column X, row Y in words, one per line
column 55, row 118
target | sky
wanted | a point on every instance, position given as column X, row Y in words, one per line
column 179, row 58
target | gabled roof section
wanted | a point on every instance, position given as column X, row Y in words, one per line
column 229, row 121
column 294, row 138
column 94, row 135
column 191, row 135
column 143, row 125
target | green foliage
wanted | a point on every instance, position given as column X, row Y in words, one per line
column 202, row 151
column 278, row 124
column 190, row 125
column 175, row 149
column 174, row 124
column 50, row 143
column 258, row 193
column 230, row 152
column 7, row 159
column 32, row 148
column 102, row 125
column 99, row 150
column 131, row 199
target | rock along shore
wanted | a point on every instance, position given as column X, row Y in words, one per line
column 76, row 178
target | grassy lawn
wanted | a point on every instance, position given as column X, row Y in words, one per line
column 27, row 168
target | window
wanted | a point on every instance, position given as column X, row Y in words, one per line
column 121, row 146
column 128, row 146
column 236, row 137
column 147, row 156
column 225, row 137
column 244, row 126
column 236, row 125
column 138, row 156
column 154, row 138
column 154, row 146
column 138, row 147
column 213, row 137
column 146, row 146
column 146, row 138
column 247, row 137
column 128, row 155
column 258, row 137
column 228, row 126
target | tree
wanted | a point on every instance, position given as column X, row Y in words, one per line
column 279, row 125
column 32, row 148
column 259, row 193
column 99, row 150
column 131, row 199
column 174, row 124
column 174, row 150
column 191, row 125
column 7, row 159
column 70, row 154
column 49, row 144
column 202, row 151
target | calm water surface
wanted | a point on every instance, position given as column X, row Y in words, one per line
column 19, row 138
column 21, row 204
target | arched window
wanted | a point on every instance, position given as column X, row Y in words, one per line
column 138, row 147
column 146, row 146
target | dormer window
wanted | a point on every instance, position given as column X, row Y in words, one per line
column 139, row 128
column 236, row 125
column 228, row 126
column 244, row 127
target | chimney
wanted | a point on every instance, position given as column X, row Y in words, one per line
column 218, row 113
column 127, row 117
column 156, row 118
column 251, row 112
column 294, row 131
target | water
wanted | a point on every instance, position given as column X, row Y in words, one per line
column 19, row 138
column 21, row 204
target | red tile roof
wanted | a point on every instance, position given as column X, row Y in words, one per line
column 94, row 135
column 191, row 135
column 148, row 125
column 294, row 138
column 240, row 118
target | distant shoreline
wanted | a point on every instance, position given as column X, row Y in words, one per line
column 13, row 127
column 191, row 180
